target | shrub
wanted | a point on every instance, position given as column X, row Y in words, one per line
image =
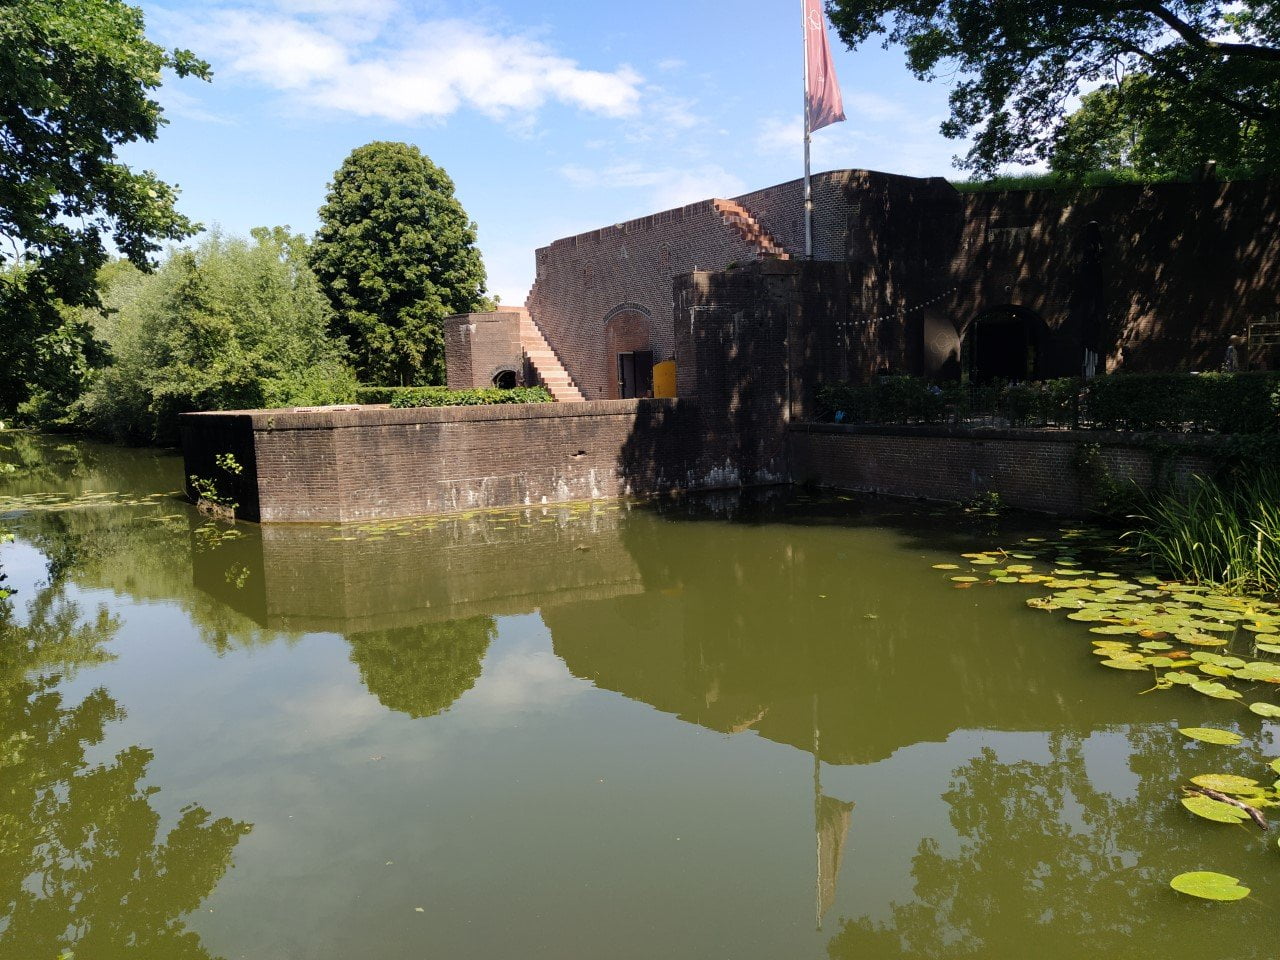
column 229, row 325
column 444, row 397
column 1221, row 402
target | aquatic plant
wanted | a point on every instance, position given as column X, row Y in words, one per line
column 1216, row 533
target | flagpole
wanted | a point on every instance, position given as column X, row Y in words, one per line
column 808, row 135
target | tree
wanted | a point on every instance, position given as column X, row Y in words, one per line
column 1020, row 63
column 1140, row 127
column 76, row 78
column 227, row 325
column 396, row 255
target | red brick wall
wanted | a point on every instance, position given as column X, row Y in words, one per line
column 478, row 346
column 1028, row 469
column 378, row 463
column 1182, row 267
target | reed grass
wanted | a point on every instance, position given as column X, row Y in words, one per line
column 1226, row 534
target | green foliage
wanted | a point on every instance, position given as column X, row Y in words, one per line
column 396, row 254
column 899, row 399
column 48, row 350
column 227, row 325
column 1220, row 533
column 444, row 397
column 1143, row 128
column 1014, row 66
column 210, row 489
column 1221, row 402
column 76, row 83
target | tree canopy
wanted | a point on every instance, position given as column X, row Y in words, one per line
column 76, row 78
column 227, row 325
column 396, row 255
column 1018, row 66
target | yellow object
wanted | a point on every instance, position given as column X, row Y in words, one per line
column 664, row 379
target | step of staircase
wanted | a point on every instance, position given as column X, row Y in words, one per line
column 743, row 222
column 546, row 364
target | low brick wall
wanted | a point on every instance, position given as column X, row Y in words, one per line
column 1030, row 469
column 370, row 463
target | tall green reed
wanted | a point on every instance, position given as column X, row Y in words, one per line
column 1225, row 533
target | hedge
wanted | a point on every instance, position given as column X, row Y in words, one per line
column 1218, row 402
column 1237, row 403
column 915, row 400
column 444, row 397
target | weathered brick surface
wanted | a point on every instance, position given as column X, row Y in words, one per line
column 479, row 346
column 376, row 463
column 1033, row 470
column 1180, row 267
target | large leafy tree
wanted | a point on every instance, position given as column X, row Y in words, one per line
column 76, row 83
column 1018, row 64
column 396, row 254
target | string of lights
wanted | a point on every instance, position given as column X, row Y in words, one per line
column 897, row 314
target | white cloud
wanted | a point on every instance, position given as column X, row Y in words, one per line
column 878, row 135
column 383, row 63
column 664, row 186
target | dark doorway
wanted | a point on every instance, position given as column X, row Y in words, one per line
column 1003, row 344
column 635, row 374
column 505, row 380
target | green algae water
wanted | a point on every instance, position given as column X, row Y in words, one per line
column 721, row 728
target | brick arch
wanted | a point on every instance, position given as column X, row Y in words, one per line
column 1004, row 341
column 627, row 328
column 507, row 370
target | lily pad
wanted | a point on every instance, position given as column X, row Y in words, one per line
column 1215, row 810
column 965, row 579
column 1215, row 690
column 1226, row 783
column 946, row 566
column 1209, row 886
column 1124, row 664
column 1225, row 738
column 1268, row 647
column 1268, row 710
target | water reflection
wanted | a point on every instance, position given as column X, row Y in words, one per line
column 83, row 866
column 421, row 670
column 1054, row 858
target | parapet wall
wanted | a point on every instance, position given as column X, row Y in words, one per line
column 370, row 463
column 1029, row 469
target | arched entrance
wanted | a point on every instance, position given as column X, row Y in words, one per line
column 628, row 337
column 1003, row 344
column 505, row 380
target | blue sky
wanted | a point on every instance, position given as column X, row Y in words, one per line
column 551, row 118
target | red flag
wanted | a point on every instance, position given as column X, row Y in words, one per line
column 823, row 92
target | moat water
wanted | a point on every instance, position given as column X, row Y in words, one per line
column 713, row 729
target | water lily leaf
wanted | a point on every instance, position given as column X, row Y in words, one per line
column 1154, row 645
column 965, row 579
column 1112, row 630
column 1268, row 647
column 1209, row 886
column 1182, row 678
column 1020, row 567
column 1215, row 690
column 946, row 566
column 1161, row 662
column 1260, row 628
column 1215, row 810
column 1200, row 639
column 1226, row 783
column 1225, row 738
column 1124, row 664
column 984, row 562
column 1201, row 656
column 1213, row 670
column 1275, row 766
column 1269, row 710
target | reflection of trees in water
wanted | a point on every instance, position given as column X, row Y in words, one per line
column 82, row 866
column 421, row 670
column 1048, row 864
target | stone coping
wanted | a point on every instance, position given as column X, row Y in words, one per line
column 333, row 418
column 1040, row 434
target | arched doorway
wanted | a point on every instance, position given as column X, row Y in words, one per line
column 628, row 337
column 1003, row 344
column 505, row 380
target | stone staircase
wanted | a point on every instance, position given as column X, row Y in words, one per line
column 740, row 220
column 545, row 363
